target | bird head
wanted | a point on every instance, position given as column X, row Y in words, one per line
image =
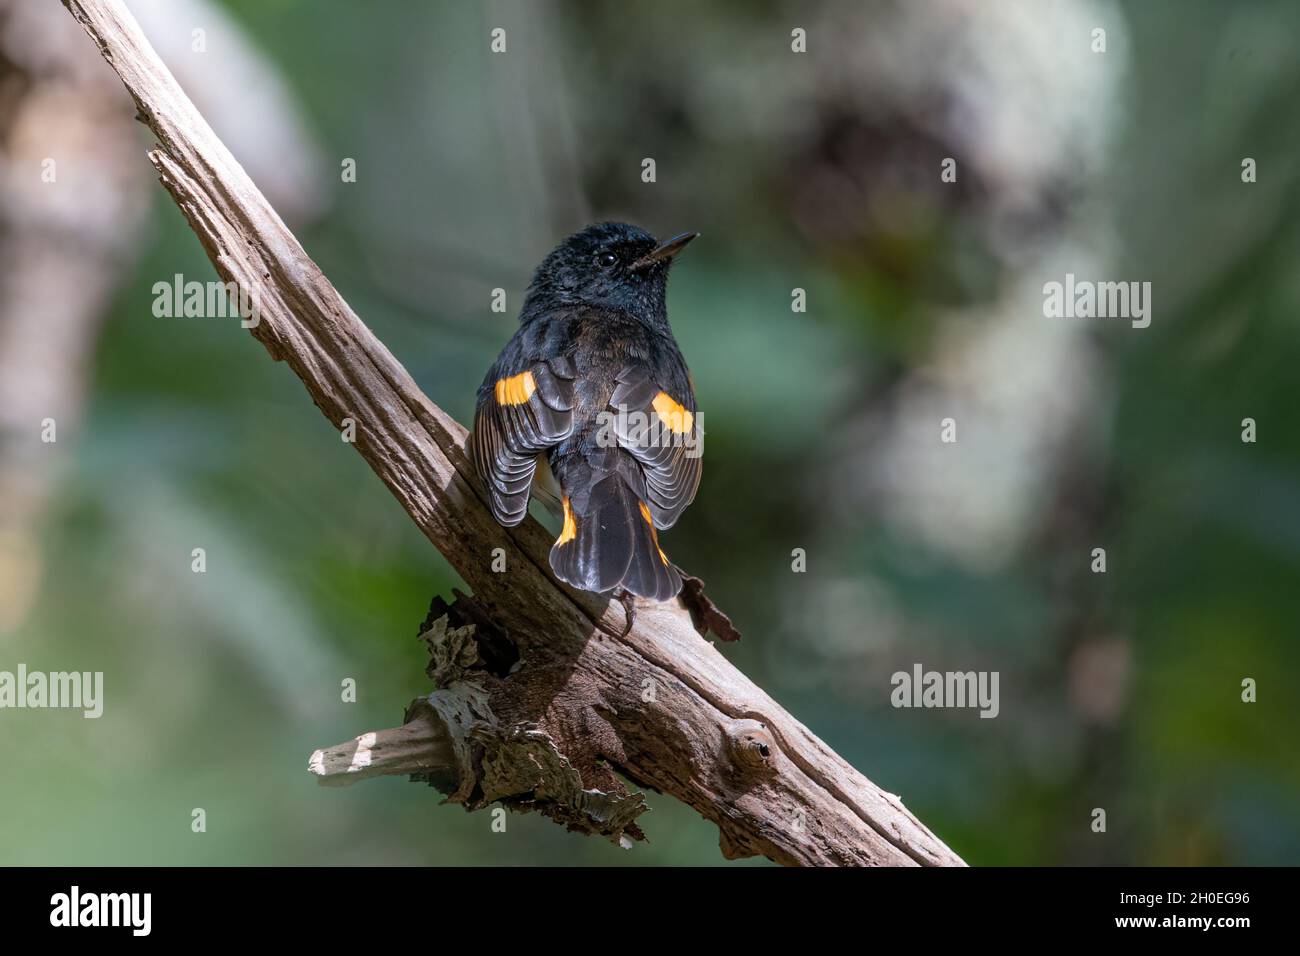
column 611, row 265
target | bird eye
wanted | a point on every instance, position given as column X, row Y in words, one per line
column 607, row 259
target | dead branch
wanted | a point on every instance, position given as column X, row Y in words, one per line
column 536, row 706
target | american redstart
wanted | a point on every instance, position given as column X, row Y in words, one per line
column 590, row 407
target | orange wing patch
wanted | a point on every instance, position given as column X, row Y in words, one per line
column 516, row 390
column 675, row 415
column 570, row 529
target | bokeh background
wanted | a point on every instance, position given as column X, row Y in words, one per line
column 818, row 171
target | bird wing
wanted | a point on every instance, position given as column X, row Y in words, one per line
column 519, row 417
column 662, row 432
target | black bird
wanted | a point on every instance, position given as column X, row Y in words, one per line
column 592, row 394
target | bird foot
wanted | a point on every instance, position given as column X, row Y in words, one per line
column 628, row 600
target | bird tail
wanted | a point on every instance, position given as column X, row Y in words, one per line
column 609, row 540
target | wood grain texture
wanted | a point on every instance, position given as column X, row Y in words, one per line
column 549, row 731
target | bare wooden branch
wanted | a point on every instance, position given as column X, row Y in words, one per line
column 538, row 705
column 421, row 746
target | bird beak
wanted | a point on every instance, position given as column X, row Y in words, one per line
column 664, row 251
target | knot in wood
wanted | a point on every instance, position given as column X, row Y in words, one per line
column 751, row 744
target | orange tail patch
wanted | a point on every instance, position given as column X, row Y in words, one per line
column 570, row 529
column 654, row 533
